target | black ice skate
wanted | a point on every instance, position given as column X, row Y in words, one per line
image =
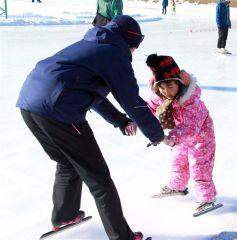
column 57, row 228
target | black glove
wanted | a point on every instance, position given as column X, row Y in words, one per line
column 153, row 143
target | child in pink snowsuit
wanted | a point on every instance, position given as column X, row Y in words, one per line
column 178, row 107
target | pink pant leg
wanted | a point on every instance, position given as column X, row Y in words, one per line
column 201, row 158
column 179, row 175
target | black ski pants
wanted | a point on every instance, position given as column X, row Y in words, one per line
column 164, row 9
column 79, row 158
column 222, row 37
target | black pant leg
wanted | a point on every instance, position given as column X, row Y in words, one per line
column 164, row 10
column 78, row 145
column 225, row 36
column 102, row 187
column 66, row 194
column 222, row 37
column 67, row 185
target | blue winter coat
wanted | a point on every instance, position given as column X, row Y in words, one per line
column 165, row 3
column 66, row 85
column 222, row 15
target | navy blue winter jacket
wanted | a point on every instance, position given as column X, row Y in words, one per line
column 66, row 85
column 165, row 3
column 222, row 15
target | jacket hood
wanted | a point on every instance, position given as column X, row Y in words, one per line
column 192, row 90
column 109, row 34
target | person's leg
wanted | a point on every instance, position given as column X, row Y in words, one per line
column 179, row 175
column 78, row 145
column 220, row 38
column 225, row 35
column 67, row 185
column 66, row 194
column 201, row 166
column 100, row 20
column 87, row 159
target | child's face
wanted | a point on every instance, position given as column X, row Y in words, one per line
column 169, row 89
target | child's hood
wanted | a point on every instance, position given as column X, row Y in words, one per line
column 190, row 91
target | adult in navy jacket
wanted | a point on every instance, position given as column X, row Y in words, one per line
column 54, row 101
column 223, row 23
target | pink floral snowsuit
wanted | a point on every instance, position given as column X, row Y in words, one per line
column 194, row 150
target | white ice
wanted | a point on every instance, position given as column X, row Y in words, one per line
column 34, row 31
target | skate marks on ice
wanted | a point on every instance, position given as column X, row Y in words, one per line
column 64, row 228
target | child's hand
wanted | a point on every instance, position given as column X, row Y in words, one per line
column 168, row 142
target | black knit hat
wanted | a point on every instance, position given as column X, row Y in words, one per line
column 130, row 30
column 164, row 67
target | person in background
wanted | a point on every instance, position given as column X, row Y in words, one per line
column 177, row 105
column 106, row 10
column 173, row 7
column 39, row 1
column 223, row 23
column 54, row 100
column 164, row 6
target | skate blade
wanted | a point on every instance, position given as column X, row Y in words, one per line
column 209, row 209
column 64, row 228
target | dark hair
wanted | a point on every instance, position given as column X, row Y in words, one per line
column 157, row 85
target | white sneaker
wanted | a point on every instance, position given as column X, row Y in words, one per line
column 224, row 51
column 219, row 50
